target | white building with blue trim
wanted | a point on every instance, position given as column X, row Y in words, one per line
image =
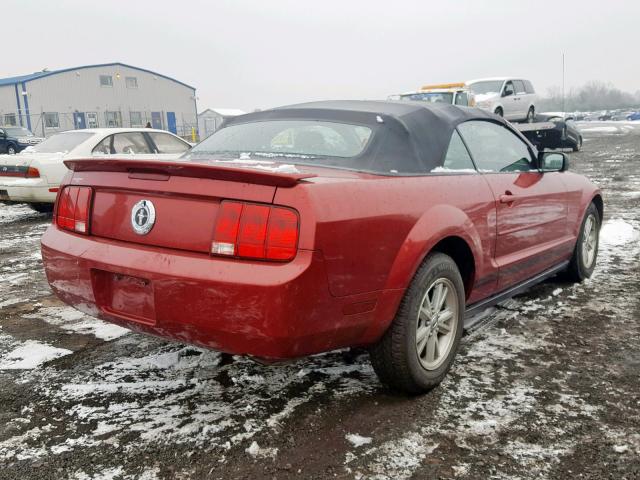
column 91, row 96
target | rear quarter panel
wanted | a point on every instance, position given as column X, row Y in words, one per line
column 373, row 233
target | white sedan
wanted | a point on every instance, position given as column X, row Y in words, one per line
column 34, row 175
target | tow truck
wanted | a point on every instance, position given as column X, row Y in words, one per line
column 452, row 93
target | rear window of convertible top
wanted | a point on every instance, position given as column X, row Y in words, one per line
column 289, row 138
column 368, row 148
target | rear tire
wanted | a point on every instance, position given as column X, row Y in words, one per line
column 42, row 207
column 498, row 111
column 418, row 349
column 585, row 253
column 11, row 150
column 578, row 146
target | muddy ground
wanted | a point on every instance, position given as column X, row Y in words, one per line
column 548, row 387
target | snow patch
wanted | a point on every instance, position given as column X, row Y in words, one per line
column 357, row 440
column 14, row 213
column 11, row 301
column 618, row 232
column 397, row 459
column 611, row 129
column 31, row 354
column 453, row 170
column 75, row 321
column 257, row 451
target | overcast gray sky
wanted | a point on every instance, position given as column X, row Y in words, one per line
column 257, row 54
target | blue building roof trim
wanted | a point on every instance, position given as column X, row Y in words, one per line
column 21, row 78
column 37, row 75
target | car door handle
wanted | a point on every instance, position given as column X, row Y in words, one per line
column 508, row 198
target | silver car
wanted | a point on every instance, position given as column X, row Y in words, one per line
column 510, row 97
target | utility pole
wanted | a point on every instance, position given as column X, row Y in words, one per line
column 563, row 106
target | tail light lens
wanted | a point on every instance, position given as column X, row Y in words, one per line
column 20, row 172
column 72, row 211
column 249, row 230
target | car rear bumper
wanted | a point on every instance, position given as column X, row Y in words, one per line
column 268, row 310
column 30, row 190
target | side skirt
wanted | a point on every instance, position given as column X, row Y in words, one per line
column 475, row 312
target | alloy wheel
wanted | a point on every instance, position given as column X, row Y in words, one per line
column 437, row 323
column 589, row 241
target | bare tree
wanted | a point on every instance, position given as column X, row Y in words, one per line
column 592, row 96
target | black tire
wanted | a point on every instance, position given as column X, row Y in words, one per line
column 498, row 111
column 531, row 115
column 11, row 149
column 395, row 357
column 578, row 268
column 42, row 207
column 578, row 146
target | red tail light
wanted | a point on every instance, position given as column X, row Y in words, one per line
column 20, row 172
column 249, row 230
column 72, row 211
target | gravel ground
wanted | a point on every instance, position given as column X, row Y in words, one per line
column 548, row 387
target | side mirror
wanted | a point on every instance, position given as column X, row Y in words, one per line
column 553, row 162
column 507, row 93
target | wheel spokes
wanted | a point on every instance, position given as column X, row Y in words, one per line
column 432, row 348
column 444, row 322
column 425, row 313
column 587, row 228
column 422, row 335
column 439, row 295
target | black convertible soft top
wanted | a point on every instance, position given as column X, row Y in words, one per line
column 409, row 137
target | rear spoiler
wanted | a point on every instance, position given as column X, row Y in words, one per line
column 159, row 170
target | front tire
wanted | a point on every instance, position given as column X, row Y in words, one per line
column 418, row 349
column 585, row 253
column 498, row 111
column 11, row 150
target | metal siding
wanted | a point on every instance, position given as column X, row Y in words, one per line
column 7, row 101
column 80, row 90
column 208, row 122
column 18, row 105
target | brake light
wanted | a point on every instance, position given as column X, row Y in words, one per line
column 249, row 230
column 72, row 211
column 19, row 172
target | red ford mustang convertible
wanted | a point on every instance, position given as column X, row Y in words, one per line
column 325, row 225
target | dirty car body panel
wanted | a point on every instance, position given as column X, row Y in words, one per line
column 364, row 218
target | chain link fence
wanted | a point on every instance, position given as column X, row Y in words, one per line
column 45, row 124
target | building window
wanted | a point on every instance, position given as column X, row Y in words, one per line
column 10, row 119
column 132, row 82
column 113, row 119
column 92, row 120
column 51, row 120
column 106, row 81
column 136, row 119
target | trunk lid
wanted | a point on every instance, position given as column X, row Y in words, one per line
column 185, row 197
